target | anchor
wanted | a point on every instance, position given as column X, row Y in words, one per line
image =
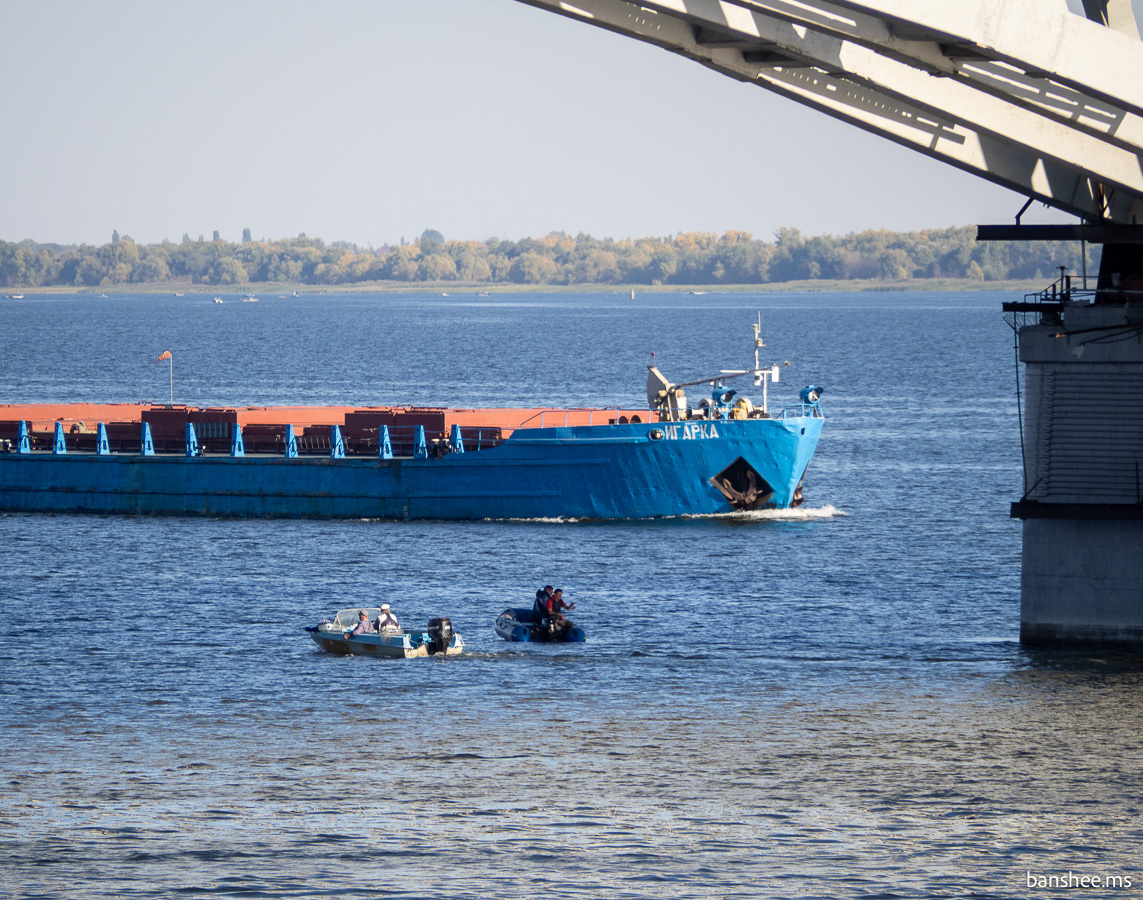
column 750, row 496
column 747, row 499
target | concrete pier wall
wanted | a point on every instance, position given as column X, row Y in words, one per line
column 1082, row 582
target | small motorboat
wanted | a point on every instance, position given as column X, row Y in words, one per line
column 333, row 636
column 521, row 625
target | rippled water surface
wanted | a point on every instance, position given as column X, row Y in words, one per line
column 830, row 702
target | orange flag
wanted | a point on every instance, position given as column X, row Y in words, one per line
column 166, row 355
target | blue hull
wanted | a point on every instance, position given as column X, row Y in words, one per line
column 520, row 626
column 387, row 646
column 624, row 471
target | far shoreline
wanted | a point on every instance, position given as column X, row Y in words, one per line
column 915, row 285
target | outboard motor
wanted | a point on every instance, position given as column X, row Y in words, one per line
column 440, row 634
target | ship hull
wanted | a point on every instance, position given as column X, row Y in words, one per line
column 624, row 471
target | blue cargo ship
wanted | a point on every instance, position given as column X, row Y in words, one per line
column 414, row 463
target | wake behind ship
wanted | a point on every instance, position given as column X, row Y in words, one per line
column 414, row 463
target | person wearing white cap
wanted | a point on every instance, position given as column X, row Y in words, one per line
column 387, row 622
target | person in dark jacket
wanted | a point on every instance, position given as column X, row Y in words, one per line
column 542, row 608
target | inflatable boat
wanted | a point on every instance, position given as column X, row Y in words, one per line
column 516, row 624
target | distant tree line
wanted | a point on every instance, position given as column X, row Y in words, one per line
column 695, row 258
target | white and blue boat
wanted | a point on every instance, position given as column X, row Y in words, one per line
column 333, row 636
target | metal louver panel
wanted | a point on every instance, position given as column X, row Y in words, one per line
column 1091, row 436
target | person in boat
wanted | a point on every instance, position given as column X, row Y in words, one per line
column 556, row 606
column 363, row 626
column 387, row 622
column 557, row 603
column 542, row 608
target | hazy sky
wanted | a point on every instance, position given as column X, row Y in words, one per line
column 371, row 120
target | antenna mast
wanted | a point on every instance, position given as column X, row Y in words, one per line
column 759, row 378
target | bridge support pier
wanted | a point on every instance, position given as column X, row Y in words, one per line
column 1082, row 567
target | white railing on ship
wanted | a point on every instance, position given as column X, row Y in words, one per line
column 608, row 413
column 798, row 410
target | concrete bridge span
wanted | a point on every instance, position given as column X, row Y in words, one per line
column 1043, row 101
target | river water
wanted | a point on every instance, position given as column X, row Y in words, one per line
column 829, row 702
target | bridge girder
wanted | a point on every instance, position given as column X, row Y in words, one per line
column 1025, row 95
